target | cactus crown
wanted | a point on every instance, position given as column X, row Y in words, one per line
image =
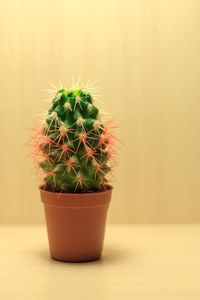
column 74, row 146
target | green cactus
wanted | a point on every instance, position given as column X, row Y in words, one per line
column 74, row 146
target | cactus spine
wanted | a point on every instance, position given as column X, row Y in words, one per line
column 74, row 146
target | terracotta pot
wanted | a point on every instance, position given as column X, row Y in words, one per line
column 76, row 224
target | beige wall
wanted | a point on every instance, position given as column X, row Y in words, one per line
column 145, row 54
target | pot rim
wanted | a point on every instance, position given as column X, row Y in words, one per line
column 109, row 187
column 76, row 200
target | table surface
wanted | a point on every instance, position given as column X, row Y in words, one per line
column 141, row 261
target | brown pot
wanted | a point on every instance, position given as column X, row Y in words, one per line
column 76, row 224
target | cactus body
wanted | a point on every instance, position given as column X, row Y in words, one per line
column 74, row 146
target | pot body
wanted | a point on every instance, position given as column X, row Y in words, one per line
column 76, row 224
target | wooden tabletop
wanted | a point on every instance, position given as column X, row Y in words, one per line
column 139, row 262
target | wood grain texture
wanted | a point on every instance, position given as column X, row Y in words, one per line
column 139, row 262
column 146, row 57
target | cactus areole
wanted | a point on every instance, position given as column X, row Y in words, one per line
column 74, row 145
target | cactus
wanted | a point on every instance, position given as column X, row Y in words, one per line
column 74, row 146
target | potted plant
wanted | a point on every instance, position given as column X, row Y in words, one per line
column 74, row 147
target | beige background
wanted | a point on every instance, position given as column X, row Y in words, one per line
column 145, row 54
